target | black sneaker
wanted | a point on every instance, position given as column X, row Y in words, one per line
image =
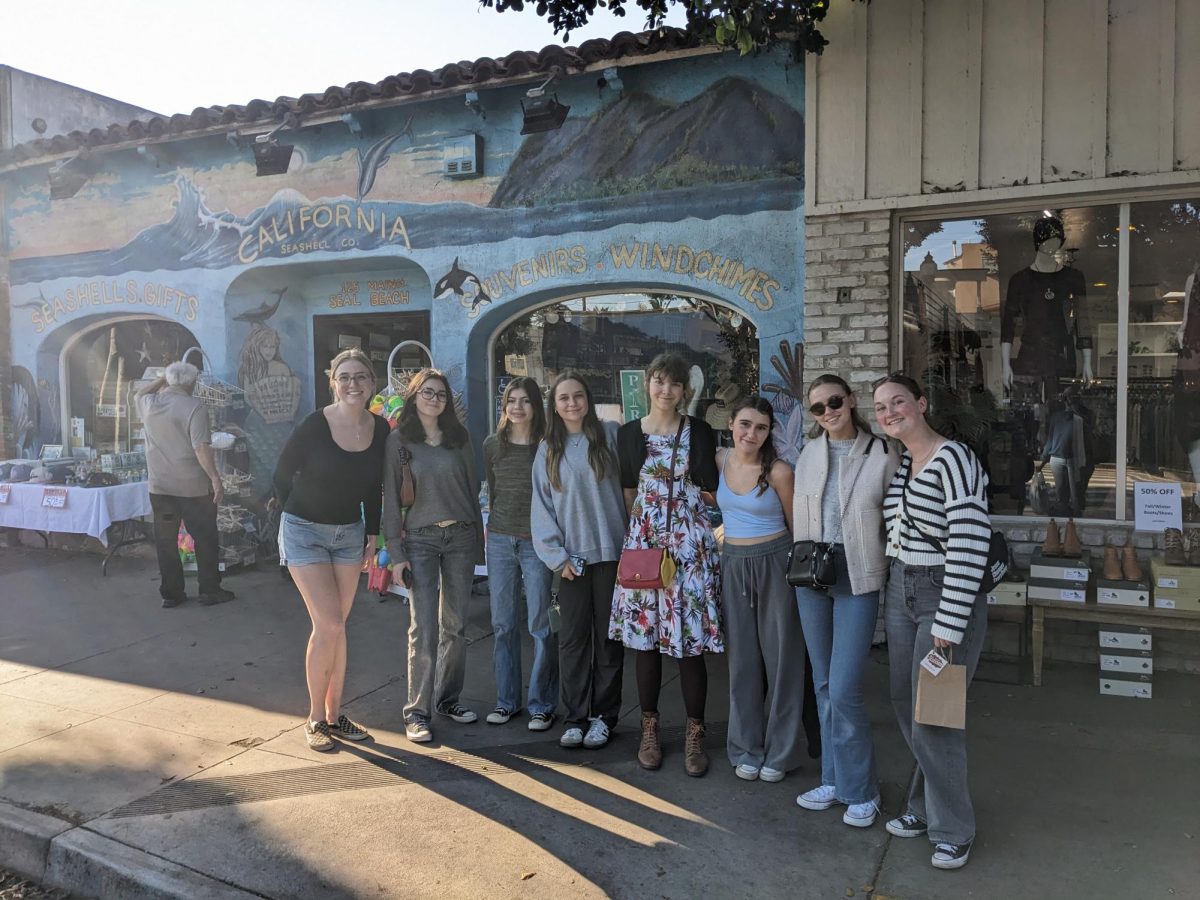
column 170, row 602
column 347, row 729
column 950, row 856
column 541, row 721
column 220, row 595
column 459, row 713
column 907, row 826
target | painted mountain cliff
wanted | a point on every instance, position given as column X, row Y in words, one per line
column 640, row 144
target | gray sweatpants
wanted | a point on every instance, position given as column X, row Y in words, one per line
column 765, row 649
column 939, row 794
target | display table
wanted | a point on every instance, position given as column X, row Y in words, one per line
column 1137, row 617
column 86, row 510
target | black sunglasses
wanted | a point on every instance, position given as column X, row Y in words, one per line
column 818, row 409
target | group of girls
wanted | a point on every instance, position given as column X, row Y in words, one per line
column 569, row 492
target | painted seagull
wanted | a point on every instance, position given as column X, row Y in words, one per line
column 264, row 311
column 454, row 281
column 372, row 161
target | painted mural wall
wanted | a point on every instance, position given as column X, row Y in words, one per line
column 689, row 180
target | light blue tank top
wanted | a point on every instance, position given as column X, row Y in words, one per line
column 751, row 514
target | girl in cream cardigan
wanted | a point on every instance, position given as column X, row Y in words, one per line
column 841, row 478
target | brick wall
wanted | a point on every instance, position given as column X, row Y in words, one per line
column 851, row 337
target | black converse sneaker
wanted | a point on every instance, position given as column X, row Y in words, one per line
column 950, row 856
column 349, row 730
column 907, row 826
column 459, row 713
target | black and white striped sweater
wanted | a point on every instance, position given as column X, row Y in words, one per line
column 948, row 499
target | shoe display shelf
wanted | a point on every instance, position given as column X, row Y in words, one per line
column 1127, row 662
column 1175, row 587
column 1059, row 578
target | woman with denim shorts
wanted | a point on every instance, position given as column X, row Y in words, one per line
column 841, row 477
column 513, row 562
column 329, row 484
column 433, row 546
column 938, row 538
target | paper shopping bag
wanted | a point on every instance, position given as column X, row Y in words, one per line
column 942, row 698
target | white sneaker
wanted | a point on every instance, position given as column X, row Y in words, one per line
column 499, row 716
column 597, row 735
column 766, row 773
column 572, row 737
column 418, row 731
column 747, row 772
column 862, row 815
column 818, row 798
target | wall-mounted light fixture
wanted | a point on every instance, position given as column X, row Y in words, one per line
column 67, row 177
column 473, row 104
column 270, row 156
column 351, row 121
column 541, row 112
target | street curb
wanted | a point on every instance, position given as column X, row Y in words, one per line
column 25, row 839
column 58, row 855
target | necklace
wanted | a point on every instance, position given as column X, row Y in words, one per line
column 920, row 463
column 574, row 440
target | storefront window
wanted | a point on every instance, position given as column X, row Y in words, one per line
column 603, row 336
column 1163, row 427
column 1009, row 321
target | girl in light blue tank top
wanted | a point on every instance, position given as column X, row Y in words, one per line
column 762, row 624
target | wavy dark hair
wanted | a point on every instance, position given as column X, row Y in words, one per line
column 855, row 416
column 409, row 424
column 767, row 454
column 537, row 427
column 600, row 457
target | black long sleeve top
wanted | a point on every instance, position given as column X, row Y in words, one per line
column 319, row 481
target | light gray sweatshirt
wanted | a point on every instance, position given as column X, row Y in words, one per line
column 587, row 517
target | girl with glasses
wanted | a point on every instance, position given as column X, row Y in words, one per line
column 762, row 629
column 433, row 547
column 329, row 484
column 668, row 457
column 841, row 477
column 512, row 560
column 939, row 533
column 577, row 519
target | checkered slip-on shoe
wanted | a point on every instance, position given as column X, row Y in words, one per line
column 348, row 730
column 317, row 734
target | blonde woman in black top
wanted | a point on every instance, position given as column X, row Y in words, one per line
column 329, row 482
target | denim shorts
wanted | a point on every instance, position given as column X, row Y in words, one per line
column 305, row 543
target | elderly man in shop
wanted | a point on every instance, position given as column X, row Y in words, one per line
column 184, row 482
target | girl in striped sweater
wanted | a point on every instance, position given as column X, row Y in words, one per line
column 938, row 533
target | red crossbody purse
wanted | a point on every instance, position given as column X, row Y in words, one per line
column 652, row 568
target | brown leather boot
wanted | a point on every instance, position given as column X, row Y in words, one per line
column 1130, row 565
column 1112, row 564
column 1072, row 546
column 695, row 760
column 1193, row 548
column 1052, row 545
column 1174, row 541
column 650, row 752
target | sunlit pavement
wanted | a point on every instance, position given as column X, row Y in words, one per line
column 151, row 752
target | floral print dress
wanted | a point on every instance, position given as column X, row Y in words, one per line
column 683, row 619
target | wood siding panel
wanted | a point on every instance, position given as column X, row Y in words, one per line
column 894, row 73
column 1136, row 84
column 1011, row 97
column 1075, row 89
column 1187, row 85
column 950, row 104
column 841, row 106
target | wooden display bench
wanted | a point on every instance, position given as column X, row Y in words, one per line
column 1149, row 617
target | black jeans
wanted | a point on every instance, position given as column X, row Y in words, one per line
column 199, row 515
column 589, row 664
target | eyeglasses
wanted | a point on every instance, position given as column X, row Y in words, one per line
column 357, row 378
column 431, row 395
column 818, row 409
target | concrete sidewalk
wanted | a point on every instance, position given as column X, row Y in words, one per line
column 151, row 752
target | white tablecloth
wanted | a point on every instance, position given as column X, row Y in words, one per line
column 88, row 510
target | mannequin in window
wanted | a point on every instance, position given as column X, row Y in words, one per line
column 1187, row 378
column 1064, row 451
column 1048, row 298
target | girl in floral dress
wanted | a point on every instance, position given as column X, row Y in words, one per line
column 682, row 620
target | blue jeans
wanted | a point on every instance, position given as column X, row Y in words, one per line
column 508, row 555
column 838, row 627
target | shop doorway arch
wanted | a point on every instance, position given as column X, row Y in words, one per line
column 600, row 335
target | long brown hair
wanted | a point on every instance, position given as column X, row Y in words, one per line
column 409, row 424
column 766, row 453
column 537, row 427
column 855, row 416
column 600, row 457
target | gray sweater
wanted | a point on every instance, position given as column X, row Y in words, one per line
column 587, row 517
column 446, row 490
